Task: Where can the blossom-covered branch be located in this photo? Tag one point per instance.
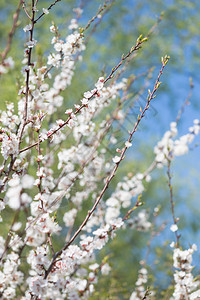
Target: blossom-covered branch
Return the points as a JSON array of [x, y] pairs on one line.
[[90, 95], [116, 160]]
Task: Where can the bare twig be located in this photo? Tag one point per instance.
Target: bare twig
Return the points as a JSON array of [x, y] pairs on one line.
[[11, 33], [101, 9], [186, 102], [25, 10], [98, 22]]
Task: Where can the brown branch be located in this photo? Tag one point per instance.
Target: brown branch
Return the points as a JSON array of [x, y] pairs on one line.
[[175, 220], [24, 122], [29, 52], [49, 241], [186, 102], [25, 10], [11, 33]]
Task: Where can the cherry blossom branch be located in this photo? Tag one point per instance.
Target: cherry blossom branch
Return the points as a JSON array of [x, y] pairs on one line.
[[103, 134], [29, 52], [85, 163], [83, 30], [27, 70], [59, 198], [113, 173], [11, 33], [138, 45], [97, 143], [186, 102]]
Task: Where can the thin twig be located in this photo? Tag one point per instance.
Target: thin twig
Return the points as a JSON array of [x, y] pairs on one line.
[[98, 22], [101, 9], [186, 102], [175, 220], [11, 33], [47, 9], [25, 10]]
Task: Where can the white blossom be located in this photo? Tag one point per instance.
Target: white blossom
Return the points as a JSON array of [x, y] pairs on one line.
[[174, 228], [45, 11], [27, 28], [128, 144], [116, 159], [31, 44]]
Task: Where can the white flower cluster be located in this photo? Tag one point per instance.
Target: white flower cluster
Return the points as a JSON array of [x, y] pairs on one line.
[[185, 284], [121, 198], [141, 286], [65, 56], [9, 144], [140, 222], [15, 195], [61, 282], [44, 97], [11, 278], [167, 148], [102, 98], [8, 119]]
